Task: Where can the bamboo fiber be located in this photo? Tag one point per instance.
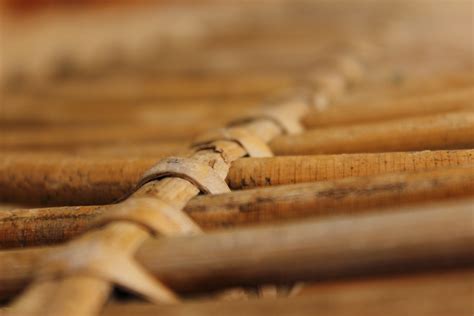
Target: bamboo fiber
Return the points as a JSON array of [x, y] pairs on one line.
[[432, 237], [327, 198], [92, 180]]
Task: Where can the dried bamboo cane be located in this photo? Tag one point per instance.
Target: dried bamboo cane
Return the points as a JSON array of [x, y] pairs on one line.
[[447, 293], [354, 195], [175, 192], [364, 111], [435, 236], [442, 131], [92, 180], [255, 172]]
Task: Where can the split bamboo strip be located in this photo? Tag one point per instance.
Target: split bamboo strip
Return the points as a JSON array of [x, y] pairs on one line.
[[48, 180], [436, 236], [442, 131], [364, 110], [28, 227], [441, 294]]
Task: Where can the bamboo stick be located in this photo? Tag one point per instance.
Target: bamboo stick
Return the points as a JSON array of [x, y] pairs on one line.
[[437, 236], [351, 195], [29, 227], [367, 111], [29, 112], [442, 131], [91, 180], [250, 172], [446, 293]]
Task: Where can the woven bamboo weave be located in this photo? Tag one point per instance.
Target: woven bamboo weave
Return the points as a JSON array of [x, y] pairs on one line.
[[293, 158]]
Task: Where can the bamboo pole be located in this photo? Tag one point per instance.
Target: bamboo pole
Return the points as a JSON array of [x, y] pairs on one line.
[[435, 236], [31, 227], [446, 293], [93, 180], [365, 110], [442, 131]]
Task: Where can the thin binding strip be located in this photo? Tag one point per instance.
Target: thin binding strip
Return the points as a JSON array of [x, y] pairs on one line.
[[254, 146], [196, 172]]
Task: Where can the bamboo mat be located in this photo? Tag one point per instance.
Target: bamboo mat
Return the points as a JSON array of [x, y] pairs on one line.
[[239, 157]]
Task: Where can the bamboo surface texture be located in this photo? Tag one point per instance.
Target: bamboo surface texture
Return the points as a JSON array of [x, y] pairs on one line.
[[26, 227], [45, 179], [237, 158]]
